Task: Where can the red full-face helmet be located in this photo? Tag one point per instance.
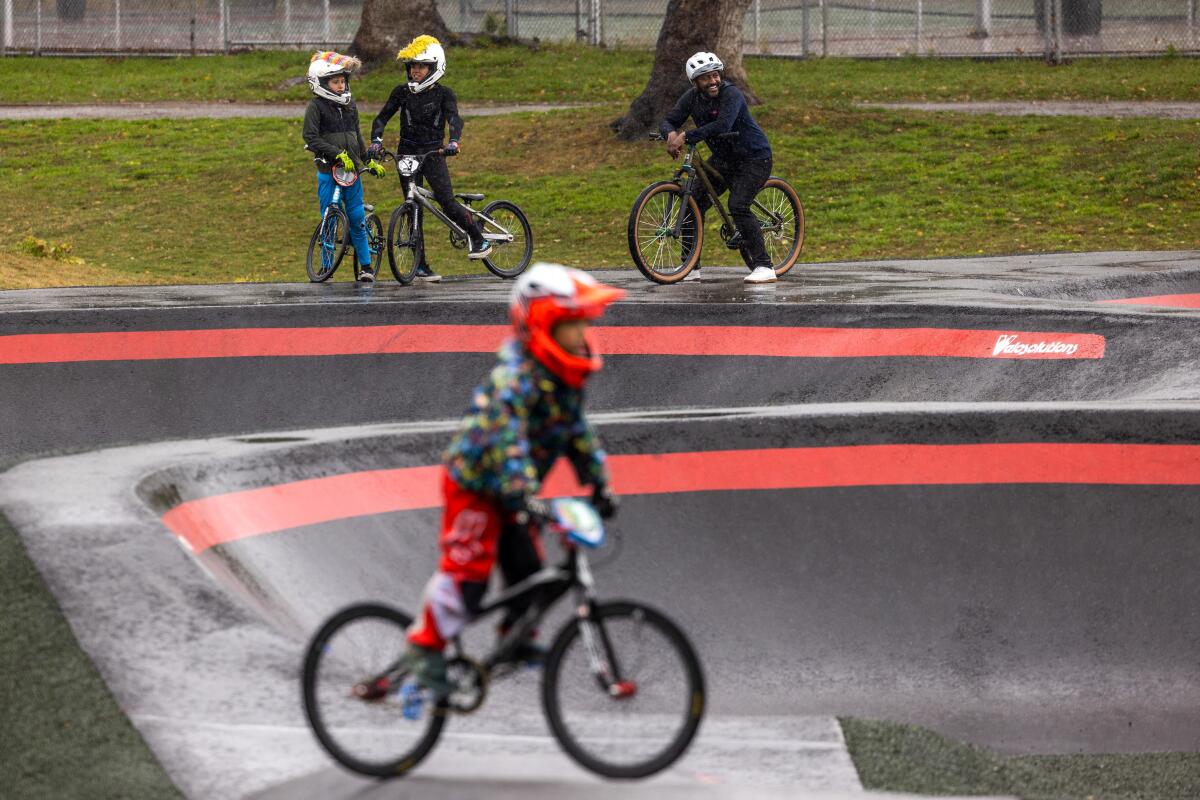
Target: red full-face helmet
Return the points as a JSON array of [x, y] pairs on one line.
[[544, 296]]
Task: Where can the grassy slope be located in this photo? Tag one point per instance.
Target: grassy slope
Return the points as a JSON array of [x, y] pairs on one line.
[[229, 200], [63, 735], [905, 758]]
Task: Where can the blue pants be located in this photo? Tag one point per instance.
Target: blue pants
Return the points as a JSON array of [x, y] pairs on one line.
[[352, 196]]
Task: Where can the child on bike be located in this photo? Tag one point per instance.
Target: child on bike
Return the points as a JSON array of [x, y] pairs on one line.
[[427, 107], [525, 414], [331, 132]]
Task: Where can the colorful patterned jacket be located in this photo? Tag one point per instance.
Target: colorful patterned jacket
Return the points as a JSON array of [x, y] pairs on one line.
[[521, 419]]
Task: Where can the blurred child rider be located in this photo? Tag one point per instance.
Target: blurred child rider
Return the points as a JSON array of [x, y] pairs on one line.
[[331, 133], [428, 107], [525, 414]]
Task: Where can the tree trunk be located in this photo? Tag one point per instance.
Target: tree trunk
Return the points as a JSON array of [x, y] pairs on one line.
[[688, 27], [388, 25]]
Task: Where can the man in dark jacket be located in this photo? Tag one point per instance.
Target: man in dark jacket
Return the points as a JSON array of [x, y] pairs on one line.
[[426, 107], [741, 164]]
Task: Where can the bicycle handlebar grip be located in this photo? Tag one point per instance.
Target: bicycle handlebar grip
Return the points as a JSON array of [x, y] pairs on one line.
[[656, 137]]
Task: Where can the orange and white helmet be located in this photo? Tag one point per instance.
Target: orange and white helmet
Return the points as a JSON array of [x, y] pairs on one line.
[[325, 65], [547, 294]]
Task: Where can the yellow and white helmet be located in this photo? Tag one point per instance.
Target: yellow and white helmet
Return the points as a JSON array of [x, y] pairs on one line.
[[424, 50], [325, 65]]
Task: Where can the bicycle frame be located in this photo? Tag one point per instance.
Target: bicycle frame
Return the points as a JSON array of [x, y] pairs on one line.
[[547, 586], [421, 198], [699, 169]]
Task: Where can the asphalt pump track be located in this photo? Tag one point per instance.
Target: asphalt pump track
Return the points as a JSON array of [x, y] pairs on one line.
[[955, 493]]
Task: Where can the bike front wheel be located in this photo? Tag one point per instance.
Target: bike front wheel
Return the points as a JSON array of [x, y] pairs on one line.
[[375, 240], [623, 690], [327, 245], [364, 709], [404, 244], [781, 215], [658, 252], [508, 258]]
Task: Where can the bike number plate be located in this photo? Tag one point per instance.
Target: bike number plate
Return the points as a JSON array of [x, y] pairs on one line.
[[582, 524], [407, 166]]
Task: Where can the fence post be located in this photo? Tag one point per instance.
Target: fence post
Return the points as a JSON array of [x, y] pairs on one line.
[[327, 25], [578, 21], [757, 14], [983, 19], [510, 18], [1058, 31], [6, 40], [286, 34], [804, 28], [37, 41], [824, 28], [920, 24], [224, 22], [117, 22]]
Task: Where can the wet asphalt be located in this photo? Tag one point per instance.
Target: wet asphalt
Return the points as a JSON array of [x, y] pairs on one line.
[[1047, 618]]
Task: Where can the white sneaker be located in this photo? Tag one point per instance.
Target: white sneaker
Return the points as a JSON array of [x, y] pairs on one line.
[[694, 275], [761, 275]]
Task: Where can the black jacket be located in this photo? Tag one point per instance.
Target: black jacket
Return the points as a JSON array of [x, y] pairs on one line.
[[329, 129], [423, 117], [726, 112]]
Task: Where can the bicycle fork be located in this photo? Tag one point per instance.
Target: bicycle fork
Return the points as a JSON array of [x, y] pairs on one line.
[[602, 658]]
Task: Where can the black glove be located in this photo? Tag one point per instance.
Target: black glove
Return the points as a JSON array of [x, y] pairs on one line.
[[535, 512], [375, 150], [451, 148], [604, 502]]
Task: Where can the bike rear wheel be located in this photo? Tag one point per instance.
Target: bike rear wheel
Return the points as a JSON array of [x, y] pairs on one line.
[[375, 240], [781, 215], [508, 259], [360, 647], [657, 252], [648, 728], [327, 245], [404, 244]]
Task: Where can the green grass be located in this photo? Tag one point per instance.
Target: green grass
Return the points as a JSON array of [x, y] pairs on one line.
[[904, 758], [234, 200], [63, 735], [566, 73]]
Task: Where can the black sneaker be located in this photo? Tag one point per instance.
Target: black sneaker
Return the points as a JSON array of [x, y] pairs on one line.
[[426, 275], [480, 249], [366, 275], [527, 652]]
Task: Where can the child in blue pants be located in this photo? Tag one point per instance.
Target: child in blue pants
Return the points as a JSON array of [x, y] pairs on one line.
[[331, 132]]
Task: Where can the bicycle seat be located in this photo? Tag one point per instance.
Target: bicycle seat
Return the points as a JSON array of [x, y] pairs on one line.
[[368, 207], [468, 196]]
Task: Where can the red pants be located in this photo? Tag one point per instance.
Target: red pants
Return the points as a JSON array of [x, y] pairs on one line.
[[474, 530]]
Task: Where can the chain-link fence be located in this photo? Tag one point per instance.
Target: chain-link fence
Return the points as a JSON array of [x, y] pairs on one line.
[[1051, 28]]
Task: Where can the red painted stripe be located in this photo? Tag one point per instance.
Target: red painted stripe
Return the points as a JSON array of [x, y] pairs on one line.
[[704, 340], [210, 521], [1176, 300]]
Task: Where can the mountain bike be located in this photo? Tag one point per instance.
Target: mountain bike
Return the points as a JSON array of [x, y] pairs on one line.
[[503, 224], [328, 244], [622, 688], [665, 239]]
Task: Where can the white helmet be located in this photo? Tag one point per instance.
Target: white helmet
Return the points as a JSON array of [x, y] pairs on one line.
[[703, 63], [424, 50], [325, 65]]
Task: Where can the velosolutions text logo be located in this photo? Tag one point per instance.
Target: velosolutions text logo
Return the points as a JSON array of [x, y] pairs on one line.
[[1008, 344]]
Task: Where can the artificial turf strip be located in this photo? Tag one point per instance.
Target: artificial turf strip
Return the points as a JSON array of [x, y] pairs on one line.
[[62, 735], [895, 757]]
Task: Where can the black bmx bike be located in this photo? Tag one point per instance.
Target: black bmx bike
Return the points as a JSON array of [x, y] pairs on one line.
[[502, 222], [329, 241], [622, 688], [665, 238]]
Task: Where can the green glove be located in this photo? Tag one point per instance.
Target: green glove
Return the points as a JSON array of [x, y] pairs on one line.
[[376, 168], [346, 160]]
